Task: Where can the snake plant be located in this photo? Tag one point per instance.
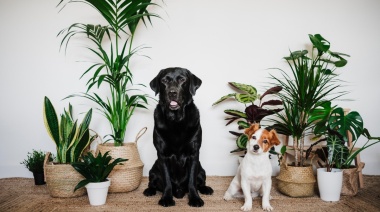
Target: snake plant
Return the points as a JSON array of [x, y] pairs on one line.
[[70, 140]]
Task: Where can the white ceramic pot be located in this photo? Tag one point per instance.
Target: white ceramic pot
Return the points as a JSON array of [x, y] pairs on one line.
[[97, 192], [329, 184]]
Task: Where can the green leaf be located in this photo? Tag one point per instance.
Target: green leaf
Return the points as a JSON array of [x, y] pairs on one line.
[[51, 120], [241, 141], [243, 87]]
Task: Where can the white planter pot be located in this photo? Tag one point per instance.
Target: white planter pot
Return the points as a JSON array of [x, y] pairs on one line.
[[329, 184], [97, 192]]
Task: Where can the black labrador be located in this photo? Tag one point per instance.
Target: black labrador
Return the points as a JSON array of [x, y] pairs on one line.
[[177, 137]]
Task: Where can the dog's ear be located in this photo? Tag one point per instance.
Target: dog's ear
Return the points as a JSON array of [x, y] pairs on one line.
[[195, 83], [155, 83], [251, 130], [274, 137]]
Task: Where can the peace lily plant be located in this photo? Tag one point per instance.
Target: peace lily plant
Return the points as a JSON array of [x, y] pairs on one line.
[[112, 44]]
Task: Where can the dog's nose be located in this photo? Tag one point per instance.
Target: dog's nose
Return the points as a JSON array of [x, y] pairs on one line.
[[256, 147], [172, 93]]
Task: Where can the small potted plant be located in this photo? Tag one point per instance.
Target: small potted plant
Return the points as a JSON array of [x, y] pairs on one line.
[[95, 170], [338, 128], [35, 163]]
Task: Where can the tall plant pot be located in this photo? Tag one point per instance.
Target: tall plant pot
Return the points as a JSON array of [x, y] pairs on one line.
[[61, 179], [329, 184], [98, 192], [126, 177], [296, 181]]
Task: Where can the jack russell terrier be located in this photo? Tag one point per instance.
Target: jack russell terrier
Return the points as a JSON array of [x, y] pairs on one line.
[[254, 174]]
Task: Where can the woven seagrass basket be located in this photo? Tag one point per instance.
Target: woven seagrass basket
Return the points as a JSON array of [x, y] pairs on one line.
[[296, 181], [126, 177], [61, 179]]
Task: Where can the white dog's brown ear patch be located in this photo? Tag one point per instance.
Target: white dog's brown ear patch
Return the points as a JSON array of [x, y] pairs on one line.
[[274, 138], [251, 130]]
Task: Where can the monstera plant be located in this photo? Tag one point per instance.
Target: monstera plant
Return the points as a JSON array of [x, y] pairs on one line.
[[334, 126], [257, 107], [112, 44]]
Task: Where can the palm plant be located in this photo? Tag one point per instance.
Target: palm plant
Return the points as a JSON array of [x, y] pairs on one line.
[[69, 139], [114, 66], [257, 107], [95, 169], [312, 80]]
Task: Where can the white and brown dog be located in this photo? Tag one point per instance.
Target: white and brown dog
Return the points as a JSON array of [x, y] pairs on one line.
[[254, 174]]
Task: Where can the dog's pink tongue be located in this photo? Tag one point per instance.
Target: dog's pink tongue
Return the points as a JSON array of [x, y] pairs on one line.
[[173, 103]]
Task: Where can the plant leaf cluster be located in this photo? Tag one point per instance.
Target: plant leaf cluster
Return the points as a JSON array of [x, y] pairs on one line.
[[70, 139], [35, 161], [311, 81], [336, 127], [257, 107], [113, 69], [95, 169]]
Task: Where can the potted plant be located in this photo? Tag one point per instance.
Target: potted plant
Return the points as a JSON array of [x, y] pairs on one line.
[[112, 45], [313, 79], [256, 106], [35, 163], [96, 170], [71, 141], [338, 128]]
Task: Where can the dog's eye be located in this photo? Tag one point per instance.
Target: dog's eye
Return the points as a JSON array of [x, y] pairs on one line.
[[164, 80], [265, 141], [254, 137], [182, 79]]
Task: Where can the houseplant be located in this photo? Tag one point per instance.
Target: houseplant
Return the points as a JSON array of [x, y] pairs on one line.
[[113, 68], [312, 79], [256, 106], [35, 163], [339, 128], [112, 45], [96, 170], [71, 141]]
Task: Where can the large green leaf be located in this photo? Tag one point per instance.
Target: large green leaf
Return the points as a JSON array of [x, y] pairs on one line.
[[244, 87], [51, 120], [241, 141]]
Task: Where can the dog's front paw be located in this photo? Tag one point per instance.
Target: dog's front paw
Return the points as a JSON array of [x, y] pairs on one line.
[[166, 201], [267, 208], [195, 202], [246, 207], [149, 192], [206, 190], [227, 196]]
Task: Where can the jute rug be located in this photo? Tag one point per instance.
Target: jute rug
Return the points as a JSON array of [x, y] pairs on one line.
[[20, 194]]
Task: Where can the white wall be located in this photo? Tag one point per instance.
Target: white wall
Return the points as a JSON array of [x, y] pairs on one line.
[[218, 40]]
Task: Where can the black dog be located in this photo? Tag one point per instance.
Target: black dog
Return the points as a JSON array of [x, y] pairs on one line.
[[177, 138]]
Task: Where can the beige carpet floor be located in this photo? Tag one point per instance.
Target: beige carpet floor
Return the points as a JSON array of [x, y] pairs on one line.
[[20, 194]]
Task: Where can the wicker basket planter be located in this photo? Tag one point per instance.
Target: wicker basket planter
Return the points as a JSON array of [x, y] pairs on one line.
[[296, 181], [126, 177], [61, 179]]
